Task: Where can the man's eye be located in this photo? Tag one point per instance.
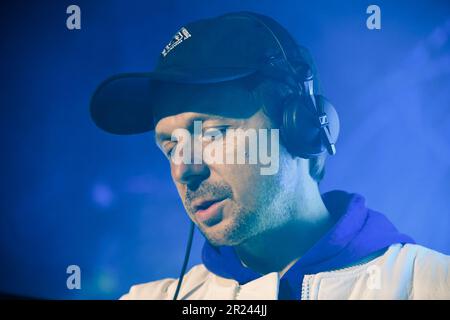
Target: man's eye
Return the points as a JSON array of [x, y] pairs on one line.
[[213, 134], [169, 151]]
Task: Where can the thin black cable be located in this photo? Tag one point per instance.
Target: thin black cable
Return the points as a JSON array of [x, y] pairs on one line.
[[186, 259]]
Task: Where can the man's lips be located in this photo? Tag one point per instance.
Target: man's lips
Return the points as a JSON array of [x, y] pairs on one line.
[[209, 211]]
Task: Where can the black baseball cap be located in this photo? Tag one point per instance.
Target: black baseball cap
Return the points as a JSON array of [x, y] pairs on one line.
[[208, 51]]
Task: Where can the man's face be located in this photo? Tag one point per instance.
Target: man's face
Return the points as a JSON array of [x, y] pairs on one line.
[[229, 202]]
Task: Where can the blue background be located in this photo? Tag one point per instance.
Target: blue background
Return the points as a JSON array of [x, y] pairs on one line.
[[72, 194]]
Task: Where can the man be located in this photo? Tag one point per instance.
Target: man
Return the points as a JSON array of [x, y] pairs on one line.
[[270, 233]]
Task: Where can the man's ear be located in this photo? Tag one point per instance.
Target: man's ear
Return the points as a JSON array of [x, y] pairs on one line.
[[317, 167]]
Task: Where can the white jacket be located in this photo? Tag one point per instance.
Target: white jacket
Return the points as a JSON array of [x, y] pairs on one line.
[[403, 272]]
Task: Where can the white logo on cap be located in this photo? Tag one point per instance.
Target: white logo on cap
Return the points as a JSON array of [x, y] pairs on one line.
[[181, 35]]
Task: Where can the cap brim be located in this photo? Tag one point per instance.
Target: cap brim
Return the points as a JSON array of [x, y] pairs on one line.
[[122, 104]]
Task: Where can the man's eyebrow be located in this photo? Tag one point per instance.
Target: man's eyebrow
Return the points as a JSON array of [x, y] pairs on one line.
[[162, 136]]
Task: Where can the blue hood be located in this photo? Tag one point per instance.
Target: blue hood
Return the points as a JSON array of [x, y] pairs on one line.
[[358, 233]]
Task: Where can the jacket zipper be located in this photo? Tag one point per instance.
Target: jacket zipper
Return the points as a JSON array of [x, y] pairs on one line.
[[306, 279], [237, 292]]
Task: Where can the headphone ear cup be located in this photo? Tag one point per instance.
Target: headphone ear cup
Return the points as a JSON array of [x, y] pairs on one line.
[[300, 128]]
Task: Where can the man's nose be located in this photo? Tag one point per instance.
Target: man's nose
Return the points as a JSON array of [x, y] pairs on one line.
[[193, 170], [190, 174]]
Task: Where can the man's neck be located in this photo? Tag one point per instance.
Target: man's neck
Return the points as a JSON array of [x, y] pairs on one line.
[[277, 249]]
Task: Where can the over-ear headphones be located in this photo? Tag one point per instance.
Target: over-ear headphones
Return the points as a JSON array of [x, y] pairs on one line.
[[310, 123]]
